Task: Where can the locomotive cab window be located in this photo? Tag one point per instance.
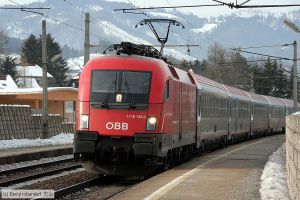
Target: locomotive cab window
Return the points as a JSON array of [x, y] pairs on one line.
[[120, 88]]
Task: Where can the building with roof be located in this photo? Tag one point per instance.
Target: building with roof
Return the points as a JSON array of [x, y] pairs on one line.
[[61, 100], [31, 76]]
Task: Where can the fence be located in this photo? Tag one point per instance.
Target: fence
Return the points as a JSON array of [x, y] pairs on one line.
[[17, 122]]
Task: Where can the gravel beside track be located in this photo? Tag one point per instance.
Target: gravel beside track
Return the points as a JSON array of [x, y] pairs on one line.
[[105, 189], [98, 192], [61, 182]]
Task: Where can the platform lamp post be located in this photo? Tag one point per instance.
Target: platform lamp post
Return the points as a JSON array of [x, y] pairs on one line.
[[295, 28]]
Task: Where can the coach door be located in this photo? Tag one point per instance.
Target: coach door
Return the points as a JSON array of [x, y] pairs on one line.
[[180, 110], [233, 120], [175, 96]]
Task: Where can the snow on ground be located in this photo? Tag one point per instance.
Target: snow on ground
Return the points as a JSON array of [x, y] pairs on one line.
[[296, 113], [61, 139], [274, 177]]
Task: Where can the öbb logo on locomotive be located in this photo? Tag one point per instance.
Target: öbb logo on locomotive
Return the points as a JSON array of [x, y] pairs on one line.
[[116, 126]]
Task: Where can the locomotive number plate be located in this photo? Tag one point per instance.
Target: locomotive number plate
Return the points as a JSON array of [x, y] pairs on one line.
[[136, 116]]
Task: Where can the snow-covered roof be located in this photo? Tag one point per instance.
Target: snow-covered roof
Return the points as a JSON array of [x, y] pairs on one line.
[[31, 71], [76, 64], [8, 83], [11, 91]]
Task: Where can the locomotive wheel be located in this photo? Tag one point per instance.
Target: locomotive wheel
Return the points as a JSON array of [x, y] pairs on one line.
[[202, 146], [168, 161]]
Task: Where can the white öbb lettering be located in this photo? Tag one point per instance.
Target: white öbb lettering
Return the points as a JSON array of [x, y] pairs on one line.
[[116, 126]]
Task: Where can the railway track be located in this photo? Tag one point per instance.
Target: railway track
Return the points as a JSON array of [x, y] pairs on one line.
[[35, 166], [103, 188], [34, 176], [75, 188]]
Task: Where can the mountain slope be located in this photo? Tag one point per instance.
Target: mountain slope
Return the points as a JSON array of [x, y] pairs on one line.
[[241, 29]]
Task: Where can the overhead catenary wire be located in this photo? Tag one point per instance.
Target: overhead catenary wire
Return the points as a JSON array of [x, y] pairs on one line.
[[27, 8], [166, 7], [260, 54], [24, 8], [220, 3], [264, 46], [80, 29], [192, 25], [109, 27], [237, 6], [60, 22]]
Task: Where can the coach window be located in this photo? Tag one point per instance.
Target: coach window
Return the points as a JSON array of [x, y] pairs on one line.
[[199, 104], [166, 91], [204, 106]]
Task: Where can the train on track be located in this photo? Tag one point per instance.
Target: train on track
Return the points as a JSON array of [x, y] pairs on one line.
[[137, 113]]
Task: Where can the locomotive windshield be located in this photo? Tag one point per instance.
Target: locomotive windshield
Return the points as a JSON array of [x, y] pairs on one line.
[[119, 88]]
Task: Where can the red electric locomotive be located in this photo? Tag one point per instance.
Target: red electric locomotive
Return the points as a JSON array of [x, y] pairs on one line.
[[132, 111], [137, 113]]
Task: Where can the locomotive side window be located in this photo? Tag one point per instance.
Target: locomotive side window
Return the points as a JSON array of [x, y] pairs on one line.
[[166, 91]]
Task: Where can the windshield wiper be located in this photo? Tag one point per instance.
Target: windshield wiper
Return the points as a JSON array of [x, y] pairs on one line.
[[109, 92]]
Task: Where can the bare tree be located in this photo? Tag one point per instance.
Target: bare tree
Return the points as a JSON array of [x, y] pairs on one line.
[[227, 67], [215, 63]]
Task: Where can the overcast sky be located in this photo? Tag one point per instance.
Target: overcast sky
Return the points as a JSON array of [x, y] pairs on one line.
[[203, 12]]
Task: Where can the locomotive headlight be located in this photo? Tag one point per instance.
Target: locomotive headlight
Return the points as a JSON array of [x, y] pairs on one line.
[[151, 124], [84, 121]]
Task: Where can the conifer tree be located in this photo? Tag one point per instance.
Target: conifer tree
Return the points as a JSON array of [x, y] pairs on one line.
[[258, 79], [270, 79], [8, 66], [31, 51], [32, 54], [281, 82], [58, 68]]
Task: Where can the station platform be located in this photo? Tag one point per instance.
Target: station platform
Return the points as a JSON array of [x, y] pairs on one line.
[[230, 173], [8, 156]]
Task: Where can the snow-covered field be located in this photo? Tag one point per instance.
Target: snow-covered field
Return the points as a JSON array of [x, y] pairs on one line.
[[63, 138], [274, 177]]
